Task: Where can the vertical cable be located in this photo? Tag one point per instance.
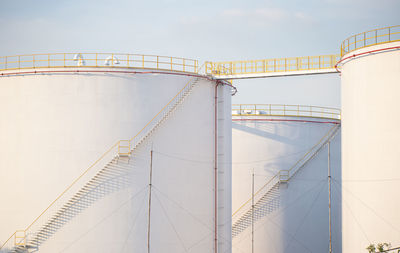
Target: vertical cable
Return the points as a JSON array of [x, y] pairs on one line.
[[149, 220]]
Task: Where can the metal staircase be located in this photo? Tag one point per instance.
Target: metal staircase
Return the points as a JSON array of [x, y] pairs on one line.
[[110, 178], [268, 196]]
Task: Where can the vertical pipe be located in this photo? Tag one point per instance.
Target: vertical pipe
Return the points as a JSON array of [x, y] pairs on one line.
[[330, 196], [216, 169]]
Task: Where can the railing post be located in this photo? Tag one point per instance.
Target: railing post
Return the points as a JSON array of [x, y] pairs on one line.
[[285, 64], [48, 60], [376, 36], [264, 66], [19, 61], [127, 62], [355, 42], [365, 40], [157, 61], [183, 64], [319, 62], [96, 59], [270, 109], [64, 59], [112, 60], [389, 33], [34, 61], [171, 62], [142, 60]]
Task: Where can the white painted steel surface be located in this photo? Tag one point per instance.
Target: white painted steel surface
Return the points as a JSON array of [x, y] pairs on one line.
[[295, 218], [54, 125], [370, 103]]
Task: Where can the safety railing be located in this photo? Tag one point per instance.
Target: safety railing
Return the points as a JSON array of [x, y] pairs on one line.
[[121, 147], [370, 38], [285, 110], [272, 65], [284, 175], [103, 60]]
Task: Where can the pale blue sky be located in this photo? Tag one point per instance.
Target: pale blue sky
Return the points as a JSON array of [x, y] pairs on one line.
[[204, 30]]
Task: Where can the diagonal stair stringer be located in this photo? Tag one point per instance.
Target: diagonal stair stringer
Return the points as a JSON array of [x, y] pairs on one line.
[[109, 178], [267, 199]]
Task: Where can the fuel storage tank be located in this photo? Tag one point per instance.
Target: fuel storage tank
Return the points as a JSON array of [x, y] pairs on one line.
[[370, 70], [113, 153], [280, 178]]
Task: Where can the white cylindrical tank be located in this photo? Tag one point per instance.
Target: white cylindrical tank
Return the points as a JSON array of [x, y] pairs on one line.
[[286, 147], [370, 102], [56, 122]]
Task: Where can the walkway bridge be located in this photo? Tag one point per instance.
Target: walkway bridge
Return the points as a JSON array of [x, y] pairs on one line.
[[294, 66]]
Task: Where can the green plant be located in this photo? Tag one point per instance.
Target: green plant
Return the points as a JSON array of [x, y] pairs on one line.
[[383, 246], [380, 247], [371, 248]]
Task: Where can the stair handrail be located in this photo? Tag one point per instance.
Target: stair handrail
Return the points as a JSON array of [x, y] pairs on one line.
[[163, 107], [280, 171], [100, 158]]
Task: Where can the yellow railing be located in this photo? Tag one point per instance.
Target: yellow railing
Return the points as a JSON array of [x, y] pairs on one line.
[[284, 175], [285, 110], [121, 147], [370, 38], [103, 60], [272, 65]]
